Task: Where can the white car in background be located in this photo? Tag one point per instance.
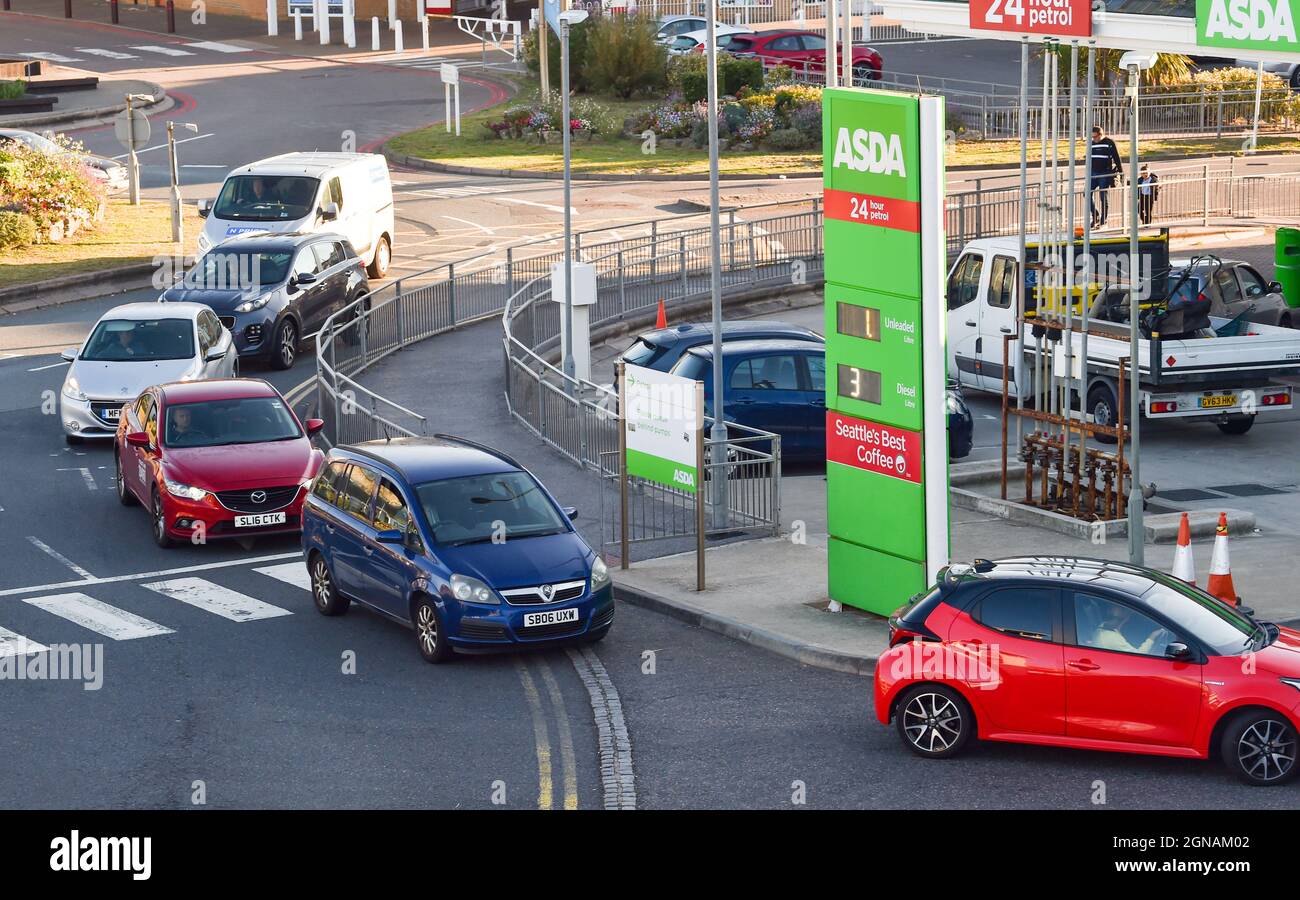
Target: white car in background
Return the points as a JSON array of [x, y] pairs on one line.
[[694, 41], [133, 347], [671, 27]]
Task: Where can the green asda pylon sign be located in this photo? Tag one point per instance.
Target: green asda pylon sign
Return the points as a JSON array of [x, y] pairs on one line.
[[886, 401], [1248, 24]]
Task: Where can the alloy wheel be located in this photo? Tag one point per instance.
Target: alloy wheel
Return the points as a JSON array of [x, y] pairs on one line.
[[321, 586], [932, 722], [1266, 750], [288, 344], [426, 625]]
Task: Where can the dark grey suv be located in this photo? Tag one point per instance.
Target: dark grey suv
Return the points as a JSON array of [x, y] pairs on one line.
[[272, 290]]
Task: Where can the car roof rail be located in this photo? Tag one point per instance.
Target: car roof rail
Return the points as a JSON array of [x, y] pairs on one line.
[[492, 451]]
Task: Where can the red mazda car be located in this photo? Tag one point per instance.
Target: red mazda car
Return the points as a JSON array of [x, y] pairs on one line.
[[802, 51], [215, 459], [1091, 654]]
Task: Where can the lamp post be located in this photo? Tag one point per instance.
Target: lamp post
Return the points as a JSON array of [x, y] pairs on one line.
[[568, 18], [178, 217], [718, 433], [1134, 62]]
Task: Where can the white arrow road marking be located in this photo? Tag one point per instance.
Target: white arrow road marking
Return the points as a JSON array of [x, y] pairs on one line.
[[50, 57], [107, 54], [165, 51], [214, 598], [219, 47], [56, 555], [14, 644], [158, 573], [113, 623], [539, 205], [294, 573]]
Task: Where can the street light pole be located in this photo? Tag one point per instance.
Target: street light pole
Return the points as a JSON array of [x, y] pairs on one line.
[[178, 217], [1136, 534], [133, 162], [718, 434], [568, 225]]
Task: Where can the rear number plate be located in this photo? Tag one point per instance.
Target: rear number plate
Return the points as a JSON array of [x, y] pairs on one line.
[[1219, 400], [550, 617], [259, 520]]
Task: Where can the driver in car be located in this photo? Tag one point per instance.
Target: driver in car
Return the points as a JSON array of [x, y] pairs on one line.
[[1113, 632], [183, 429]]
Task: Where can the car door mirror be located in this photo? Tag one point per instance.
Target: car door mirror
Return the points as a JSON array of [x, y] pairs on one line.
[[1179, 651], [391, 536], [215, 354], [205, 207], [1275, 287], [314, 427], [570, 511], [304, 278], [138, 439], [330, 212], [69, 355]]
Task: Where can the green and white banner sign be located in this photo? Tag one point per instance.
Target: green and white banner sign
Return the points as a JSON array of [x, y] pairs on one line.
[[663, 427], [1248, 24]]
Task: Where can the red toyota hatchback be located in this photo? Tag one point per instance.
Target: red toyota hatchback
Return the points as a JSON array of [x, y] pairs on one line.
[[802, 51], [1090, 654], [215, 459]]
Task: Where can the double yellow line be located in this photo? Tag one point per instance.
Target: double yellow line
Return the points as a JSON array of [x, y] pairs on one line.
[[546, 787]]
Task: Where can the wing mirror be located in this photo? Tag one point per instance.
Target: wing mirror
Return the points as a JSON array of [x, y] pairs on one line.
[[1179, 651], [1275, 287], [138, 439], [304, 278], [205, 207], [69, 355], [570, 511], [391, 536], [330, 212], [214, 354], [314, 427]]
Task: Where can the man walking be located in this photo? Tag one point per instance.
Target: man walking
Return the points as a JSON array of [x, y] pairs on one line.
[[1148, 194], [1104, 166]]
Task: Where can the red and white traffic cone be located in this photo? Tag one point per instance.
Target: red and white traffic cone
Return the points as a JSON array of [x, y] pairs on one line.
[[1220, 583], [661, 320], [1184, 566]]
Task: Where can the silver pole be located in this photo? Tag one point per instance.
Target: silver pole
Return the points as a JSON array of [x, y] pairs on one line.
[[718, 433], [569, 369], [1042, 223], [846, 52], [1136, 536], [1259, 97], [133, 162], [832, 52], [1067, 404], [178, 220], [1019, 369], [1089, 275]]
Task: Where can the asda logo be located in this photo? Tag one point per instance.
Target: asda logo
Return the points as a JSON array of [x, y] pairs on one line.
[[684, 478], [869, 151], [1226, 23]]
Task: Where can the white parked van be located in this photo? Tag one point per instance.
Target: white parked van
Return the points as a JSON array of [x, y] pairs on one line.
[[349, 193]]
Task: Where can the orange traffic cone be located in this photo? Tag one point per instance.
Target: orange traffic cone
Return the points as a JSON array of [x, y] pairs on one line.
[[1184, 566], [661, 320], [1220, 584]]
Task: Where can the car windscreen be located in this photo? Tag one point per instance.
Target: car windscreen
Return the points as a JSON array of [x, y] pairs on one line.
[[643, 353], [222, 270], [140, 340], [266, 198], [1224, 629], [504, 506], [218, 423]]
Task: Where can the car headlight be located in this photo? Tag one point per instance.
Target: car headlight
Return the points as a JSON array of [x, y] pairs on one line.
[[176, 489], [256, 303], [599, 574], [471, 590], [204, 244], [72, 389]]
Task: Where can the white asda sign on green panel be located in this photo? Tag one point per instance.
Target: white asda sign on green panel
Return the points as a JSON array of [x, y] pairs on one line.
[[663, 426], [1248, 24]]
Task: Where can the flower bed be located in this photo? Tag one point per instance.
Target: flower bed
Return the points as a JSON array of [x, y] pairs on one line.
[[45, 196]]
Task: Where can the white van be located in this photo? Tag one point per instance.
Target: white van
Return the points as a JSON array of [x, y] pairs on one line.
[[349, 193]]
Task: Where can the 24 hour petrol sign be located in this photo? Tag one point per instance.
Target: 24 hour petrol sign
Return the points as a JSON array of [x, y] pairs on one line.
[[1058, 18]]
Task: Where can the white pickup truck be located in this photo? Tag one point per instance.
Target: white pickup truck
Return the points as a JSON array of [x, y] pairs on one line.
[[1225, 379]]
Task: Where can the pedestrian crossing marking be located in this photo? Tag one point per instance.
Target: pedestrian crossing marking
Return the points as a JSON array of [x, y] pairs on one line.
[[213, 598], [14, 644], [165, 51], [219, 47], [294, 573], [95, 615]]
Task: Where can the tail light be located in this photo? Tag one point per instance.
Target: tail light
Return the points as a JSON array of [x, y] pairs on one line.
[[1164, 406], [1281, 398], [900, 632]]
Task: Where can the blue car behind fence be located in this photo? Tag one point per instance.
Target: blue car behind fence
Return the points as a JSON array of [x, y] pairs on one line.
[[455, 540]]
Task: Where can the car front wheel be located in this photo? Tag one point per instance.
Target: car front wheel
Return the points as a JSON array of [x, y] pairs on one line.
[[285, 351], [1260, 748], [124, 495], [328, 600], [430, 635], [160, 535], [934, 721]]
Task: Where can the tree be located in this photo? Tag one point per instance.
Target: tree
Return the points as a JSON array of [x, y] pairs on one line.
[[1170, 68]]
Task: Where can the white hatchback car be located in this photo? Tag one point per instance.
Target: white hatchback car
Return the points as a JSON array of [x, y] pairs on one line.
[[133, 347]]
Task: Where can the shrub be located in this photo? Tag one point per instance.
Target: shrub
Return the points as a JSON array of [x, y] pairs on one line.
[[786, 139], [17, 229], [47, 186], [12, 90], [778, 75], [786, 99], [685, 64], [735, 76], [807, 120], [624, 56], [578, 54]]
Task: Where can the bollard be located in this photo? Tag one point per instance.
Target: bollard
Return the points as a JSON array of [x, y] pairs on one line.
[[316, 6], [424, 32], [297, 25], [171, 17], [272, 19], [324, 21], [374, 32], [397, 36], [392, 15], [112, 10], [349, 28]]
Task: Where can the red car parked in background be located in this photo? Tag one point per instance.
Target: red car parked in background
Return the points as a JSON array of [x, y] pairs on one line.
[[803, 51], [216, 459], [1095, 655]]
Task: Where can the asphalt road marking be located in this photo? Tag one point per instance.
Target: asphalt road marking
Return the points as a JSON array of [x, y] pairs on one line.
[[213, 598], [294, 573], [218, 47], [482, 228], [567, 760], [616, 773], [113, 623], [88, 478], [547, 206], [138, 576], [107, 54], [545, 787], [62, 362], [50, 57], [165, 51], [14, 644], [59, 557]]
